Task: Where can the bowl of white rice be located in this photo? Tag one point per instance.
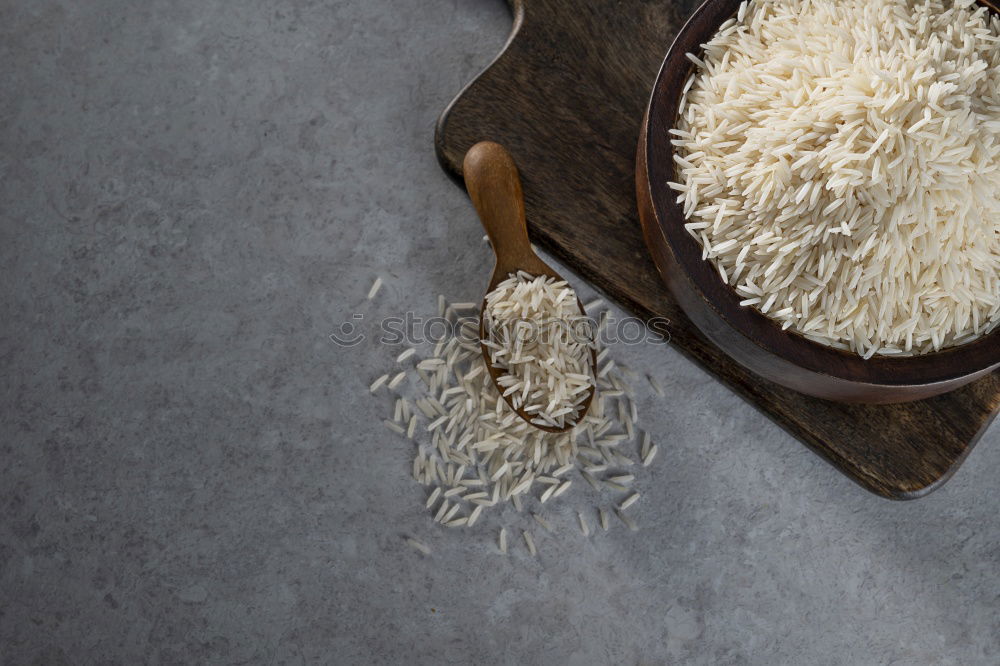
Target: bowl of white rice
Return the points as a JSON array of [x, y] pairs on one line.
[[819, 185]]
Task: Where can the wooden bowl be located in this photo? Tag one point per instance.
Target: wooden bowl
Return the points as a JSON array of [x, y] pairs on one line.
[[749, 337]]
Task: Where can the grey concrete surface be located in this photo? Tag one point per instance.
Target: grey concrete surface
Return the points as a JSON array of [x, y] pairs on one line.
[[194, 195]]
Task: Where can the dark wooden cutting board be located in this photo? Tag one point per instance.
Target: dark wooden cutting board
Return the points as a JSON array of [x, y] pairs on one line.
[[566, 97]]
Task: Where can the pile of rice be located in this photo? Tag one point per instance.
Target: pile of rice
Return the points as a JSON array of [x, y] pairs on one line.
[[839, 162], [473, 452], [538, 336]]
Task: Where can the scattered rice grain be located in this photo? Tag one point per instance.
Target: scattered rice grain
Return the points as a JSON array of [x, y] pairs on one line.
[[419, 546]]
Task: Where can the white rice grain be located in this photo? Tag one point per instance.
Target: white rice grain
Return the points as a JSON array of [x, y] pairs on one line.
[[375, 385], [451, 512], [629, 501], [562, 488], [472, 431], [474, 516], [397, 380], [374, 288], [529, 542], [419, 546], [544, 357], [839, 163], [442, 510]]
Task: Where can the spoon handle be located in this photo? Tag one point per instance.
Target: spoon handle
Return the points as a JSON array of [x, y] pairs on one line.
[[495, 188]]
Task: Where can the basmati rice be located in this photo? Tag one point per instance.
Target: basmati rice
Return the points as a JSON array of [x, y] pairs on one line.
[[419, 546], [839, 164], [629, 501], [375, 385], [476, 452], [529, 542], [538, 336], [374, 288], [451, 512], [433, 497], [397, 380]]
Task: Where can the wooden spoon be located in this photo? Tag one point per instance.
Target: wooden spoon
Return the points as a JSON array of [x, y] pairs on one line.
[[495, 188]]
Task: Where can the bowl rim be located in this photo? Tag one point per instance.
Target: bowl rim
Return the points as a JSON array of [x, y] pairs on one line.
[[941, 366]]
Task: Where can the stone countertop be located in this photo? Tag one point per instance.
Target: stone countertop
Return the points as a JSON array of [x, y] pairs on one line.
[[195, 195]]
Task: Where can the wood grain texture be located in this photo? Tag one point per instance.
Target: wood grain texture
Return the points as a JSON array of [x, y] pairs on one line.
[[566, 97]]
